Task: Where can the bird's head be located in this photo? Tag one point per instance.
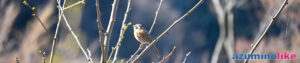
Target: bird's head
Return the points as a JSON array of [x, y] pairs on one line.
[[137, 26]]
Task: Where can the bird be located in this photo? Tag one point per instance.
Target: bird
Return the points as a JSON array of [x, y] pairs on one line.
[[142, 36]]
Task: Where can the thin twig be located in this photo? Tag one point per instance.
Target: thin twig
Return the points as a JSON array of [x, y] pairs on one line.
[[76, 38], [56, 31], [226, 36], [90, 56], [43, 56], [258, 41], [221, 19], [41, 23], [134, 54], [156, 14], [229, 43], [72, 5], [165, 58], [186, 55], [73, 34], [110, 55], [109, 29], [100, 28], [167, 30], [122, 31], [35, 15]]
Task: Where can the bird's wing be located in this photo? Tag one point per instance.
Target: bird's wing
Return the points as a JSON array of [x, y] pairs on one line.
[[148, 37], [144, 36]]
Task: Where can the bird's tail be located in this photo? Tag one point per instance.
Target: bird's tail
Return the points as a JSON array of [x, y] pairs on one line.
[[156, 51]]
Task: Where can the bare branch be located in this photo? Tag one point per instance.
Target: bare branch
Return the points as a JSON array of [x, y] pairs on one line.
[[156, 14], [258, 40], [74, 4], [134, 54], [122, 31], [186, 55], [41, 23], [112, 52], [221, 19], [100, 28], [167, 30], [90, 56], [73, 34], [76, 38], [109, 29], [225, 15], [55, 35], [165, 58], [56, 30], [43, 56], [35, 15]]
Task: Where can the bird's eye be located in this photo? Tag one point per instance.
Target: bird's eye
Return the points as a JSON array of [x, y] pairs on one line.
[[135, 27]]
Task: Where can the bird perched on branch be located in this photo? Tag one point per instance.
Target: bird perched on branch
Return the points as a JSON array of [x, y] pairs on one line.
[[143, 37]]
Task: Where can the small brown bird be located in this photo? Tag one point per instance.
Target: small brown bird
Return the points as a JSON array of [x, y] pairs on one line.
[[143, 37]]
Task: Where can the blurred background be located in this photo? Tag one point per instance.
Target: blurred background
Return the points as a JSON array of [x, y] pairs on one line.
[[227, 26]]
